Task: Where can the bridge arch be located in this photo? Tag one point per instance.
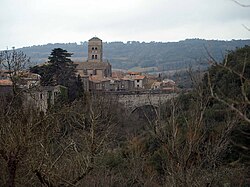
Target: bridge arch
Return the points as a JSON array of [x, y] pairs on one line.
[[146, 112], [141, 106]]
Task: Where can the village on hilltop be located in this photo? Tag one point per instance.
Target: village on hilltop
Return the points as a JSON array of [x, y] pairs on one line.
[[96, 75]]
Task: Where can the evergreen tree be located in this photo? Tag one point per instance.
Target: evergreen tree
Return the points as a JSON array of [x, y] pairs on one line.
[[60, 70]]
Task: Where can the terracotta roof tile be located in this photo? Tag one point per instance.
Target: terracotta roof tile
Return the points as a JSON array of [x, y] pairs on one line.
[[6, 82], [133, 73], [139, 77]]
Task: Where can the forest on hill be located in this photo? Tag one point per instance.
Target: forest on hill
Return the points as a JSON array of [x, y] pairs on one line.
[[159, 56]]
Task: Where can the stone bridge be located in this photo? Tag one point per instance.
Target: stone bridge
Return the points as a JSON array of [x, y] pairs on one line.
[[133, 101]]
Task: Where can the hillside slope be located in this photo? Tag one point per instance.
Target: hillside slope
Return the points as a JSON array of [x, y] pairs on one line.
[[163, 56]]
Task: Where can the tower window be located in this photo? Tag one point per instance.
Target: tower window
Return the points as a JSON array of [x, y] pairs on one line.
[[92, 48], [93, 56], [96, 48]]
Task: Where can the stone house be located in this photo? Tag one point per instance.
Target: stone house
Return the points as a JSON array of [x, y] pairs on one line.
[[167, 85], [33, 94], [140, 81], [156, 85], [28, 79], [127, 84], [42, 97]]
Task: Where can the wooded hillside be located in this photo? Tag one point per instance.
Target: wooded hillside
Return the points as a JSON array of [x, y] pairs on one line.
[[162, 56]]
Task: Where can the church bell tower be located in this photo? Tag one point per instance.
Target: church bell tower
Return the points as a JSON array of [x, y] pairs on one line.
[[95, 50]]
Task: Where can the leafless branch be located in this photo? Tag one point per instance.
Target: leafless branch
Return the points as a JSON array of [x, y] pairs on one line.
[[246, 27], [242, 5]]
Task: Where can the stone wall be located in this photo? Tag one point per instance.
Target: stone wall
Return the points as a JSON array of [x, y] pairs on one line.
[[131, 102]]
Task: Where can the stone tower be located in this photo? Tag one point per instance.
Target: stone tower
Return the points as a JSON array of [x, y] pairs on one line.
[[95, 50]]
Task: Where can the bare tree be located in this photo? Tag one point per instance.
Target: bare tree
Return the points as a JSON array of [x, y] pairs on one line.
[[13, 61], [187, 149], [241, 104], [18, 135], [245, 6], [83, 134]]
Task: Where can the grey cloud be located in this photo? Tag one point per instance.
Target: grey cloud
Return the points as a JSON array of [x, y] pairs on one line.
[[22, 21]]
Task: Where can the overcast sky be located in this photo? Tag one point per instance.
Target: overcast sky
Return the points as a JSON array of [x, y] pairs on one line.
[[36, 22]]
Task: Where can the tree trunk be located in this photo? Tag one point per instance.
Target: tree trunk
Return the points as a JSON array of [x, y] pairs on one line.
[[12, 165]]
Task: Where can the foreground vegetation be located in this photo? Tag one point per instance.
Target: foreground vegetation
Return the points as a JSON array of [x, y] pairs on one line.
[[198, 139]]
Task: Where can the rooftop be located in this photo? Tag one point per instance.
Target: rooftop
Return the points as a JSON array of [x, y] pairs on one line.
[[118, 74], [133, 73], [6, 82], [139, 77], [97, 79], [95, 38], [94, 65]]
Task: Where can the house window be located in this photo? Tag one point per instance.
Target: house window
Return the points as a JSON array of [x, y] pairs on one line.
[[96, 48], [93, 56], [92, 48], [138, 80]]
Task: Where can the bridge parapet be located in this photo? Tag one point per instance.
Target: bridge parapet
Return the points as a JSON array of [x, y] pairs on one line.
[[131, 102]]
